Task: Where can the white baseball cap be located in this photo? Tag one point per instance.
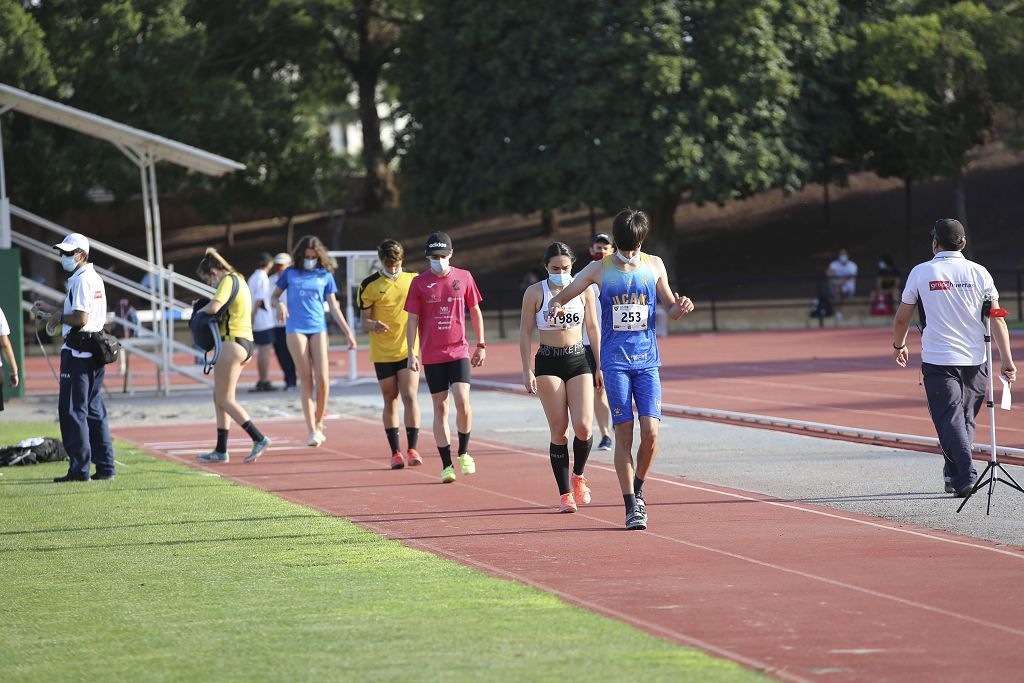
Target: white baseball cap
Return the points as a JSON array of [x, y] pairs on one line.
[[73, 242], [283, 259]]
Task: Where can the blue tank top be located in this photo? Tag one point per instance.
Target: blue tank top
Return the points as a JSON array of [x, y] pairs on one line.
[[628, 304]]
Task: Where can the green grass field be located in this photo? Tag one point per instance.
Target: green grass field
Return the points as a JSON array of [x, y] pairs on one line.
[[170, 574]]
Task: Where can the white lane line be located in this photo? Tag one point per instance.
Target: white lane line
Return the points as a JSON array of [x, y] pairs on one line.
[[718, 551]]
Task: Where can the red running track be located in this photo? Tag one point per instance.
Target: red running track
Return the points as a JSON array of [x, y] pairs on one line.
[[844, 377], [836, 376], [799, 591]]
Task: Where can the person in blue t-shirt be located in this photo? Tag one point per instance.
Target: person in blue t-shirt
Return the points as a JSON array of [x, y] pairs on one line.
[[310, 285], [631, 281]]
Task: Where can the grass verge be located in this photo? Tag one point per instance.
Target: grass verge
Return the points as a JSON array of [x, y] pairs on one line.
[[170, 574]]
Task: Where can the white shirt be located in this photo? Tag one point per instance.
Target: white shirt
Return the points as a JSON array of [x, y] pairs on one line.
[[572, 313], [843, 270], [597, 313], [952, 290], [86, 292], [5, 330], [259, 286]]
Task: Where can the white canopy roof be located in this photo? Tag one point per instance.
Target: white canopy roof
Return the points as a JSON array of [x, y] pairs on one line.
[[139, 141]]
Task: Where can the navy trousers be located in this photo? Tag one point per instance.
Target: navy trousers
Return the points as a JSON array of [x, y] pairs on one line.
[[284, 356], [955, 396], [83, 416]]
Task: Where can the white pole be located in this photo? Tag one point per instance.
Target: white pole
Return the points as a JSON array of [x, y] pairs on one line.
[[170, 324], [150, 257], [350, 264], [5, 202], [158, 244]]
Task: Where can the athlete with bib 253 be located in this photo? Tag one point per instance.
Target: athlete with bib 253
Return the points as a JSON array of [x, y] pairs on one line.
[[631, 281]]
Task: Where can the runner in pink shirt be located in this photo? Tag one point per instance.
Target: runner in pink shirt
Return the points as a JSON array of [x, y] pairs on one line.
[[437, 304]]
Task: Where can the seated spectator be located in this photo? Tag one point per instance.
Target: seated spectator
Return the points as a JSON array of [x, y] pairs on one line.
[[887, 288], [842, 277]]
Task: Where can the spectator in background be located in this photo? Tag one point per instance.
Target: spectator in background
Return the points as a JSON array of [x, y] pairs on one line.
[[8, 355], [284, 357], [887, 288], [262, 320], [842, 279]]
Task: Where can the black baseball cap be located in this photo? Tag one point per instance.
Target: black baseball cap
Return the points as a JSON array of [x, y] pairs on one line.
[[601, 237], [949, 232], [439, 244]]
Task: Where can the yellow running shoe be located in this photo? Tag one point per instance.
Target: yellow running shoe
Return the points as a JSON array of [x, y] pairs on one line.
[[468, 464], [448, 475]]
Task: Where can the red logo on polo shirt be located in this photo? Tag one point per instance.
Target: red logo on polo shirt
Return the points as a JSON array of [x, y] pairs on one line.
[[936, 285], [98, 294]]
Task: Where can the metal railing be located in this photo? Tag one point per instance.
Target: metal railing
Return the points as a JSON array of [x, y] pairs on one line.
[[160, 294]]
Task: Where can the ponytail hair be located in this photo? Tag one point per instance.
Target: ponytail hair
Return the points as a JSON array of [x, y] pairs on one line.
[[212, 259]]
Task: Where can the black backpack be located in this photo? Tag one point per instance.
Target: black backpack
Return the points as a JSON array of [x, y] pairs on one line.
[[206, 328]]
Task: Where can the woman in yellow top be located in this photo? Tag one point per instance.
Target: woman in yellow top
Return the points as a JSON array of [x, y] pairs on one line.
[[236, 350], [382, 300]]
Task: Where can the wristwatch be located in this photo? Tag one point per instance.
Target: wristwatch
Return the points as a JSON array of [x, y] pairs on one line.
[[481, 345]]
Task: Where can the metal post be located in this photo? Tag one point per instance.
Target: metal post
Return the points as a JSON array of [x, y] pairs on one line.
[[350, 264], [5, 202], [170, 324], [165, 342], [150, 257]]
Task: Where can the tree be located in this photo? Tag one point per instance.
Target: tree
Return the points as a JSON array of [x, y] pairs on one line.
[[925, 95], [607, 103], [361, 37], [24, 59]]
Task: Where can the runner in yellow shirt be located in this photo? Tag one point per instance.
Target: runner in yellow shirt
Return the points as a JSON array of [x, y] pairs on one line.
[[382, 301]]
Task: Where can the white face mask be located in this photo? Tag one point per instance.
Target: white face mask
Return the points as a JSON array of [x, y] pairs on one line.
[[628, 261], [844, 258], [560, 279], [391, 276], [440, 265], [68, 263], [309, 263], [882, 265]]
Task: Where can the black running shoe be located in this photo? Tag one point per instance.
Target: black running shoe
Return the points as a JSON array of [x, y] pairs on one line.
[[636, 519]]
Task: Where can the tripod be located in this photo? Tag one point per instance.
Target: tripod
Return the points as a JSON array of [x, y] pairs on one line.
[[990, 475]]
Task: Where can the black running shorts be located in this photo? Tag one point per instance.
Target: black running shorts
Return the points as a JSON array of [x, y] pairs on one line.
[[440, 376], [564, 366], [390, 368]]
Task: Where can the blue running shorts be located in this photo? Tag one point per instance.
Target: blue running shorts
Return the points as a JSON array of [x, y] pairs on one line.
[[624, 387]]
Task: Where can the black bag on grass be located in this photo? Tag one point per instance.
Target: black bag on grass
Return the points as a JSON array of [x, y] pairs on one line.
[[33, 452]]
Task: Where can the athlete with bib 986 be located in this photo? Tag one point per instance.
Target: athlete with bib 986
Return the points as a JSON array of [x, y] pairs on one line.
[[630, 282]]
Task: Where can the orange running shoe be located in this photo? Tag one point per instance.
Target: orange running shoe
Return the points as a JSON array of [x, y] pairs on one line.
[[567, 503], [397, 461], [580, 490], [414, 458]]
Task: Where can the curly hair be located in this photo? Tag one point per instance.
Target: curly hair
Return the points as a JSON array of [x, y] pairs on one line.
[[313, 242], [212, 259]]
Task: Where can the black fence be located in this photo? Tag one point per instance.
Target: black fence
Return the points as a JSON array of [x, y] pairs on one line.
[[756, 296]]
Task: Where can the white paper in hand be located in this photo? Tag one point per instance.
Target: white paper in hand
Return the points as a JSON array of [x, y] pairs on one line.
[[1004, 403]]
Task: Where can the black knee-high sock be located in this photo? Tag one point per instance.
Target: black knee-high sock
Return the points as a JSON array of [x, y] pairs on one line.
[[413, 435], [392, 434], [222, 441], [463, 443], [560, 466], [446, 455], [630, 500], [580, 453], [254, 433], [638, 486]]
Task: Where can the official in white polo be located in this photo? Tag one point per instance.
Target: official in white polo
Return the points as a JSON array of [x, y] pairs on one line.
[[951, 293], [83, 415]]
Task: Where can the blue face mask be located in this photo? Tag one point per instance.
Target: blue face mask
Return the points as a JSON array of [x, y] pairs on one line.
[[560, 279], [68, 263], [439, 265]]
